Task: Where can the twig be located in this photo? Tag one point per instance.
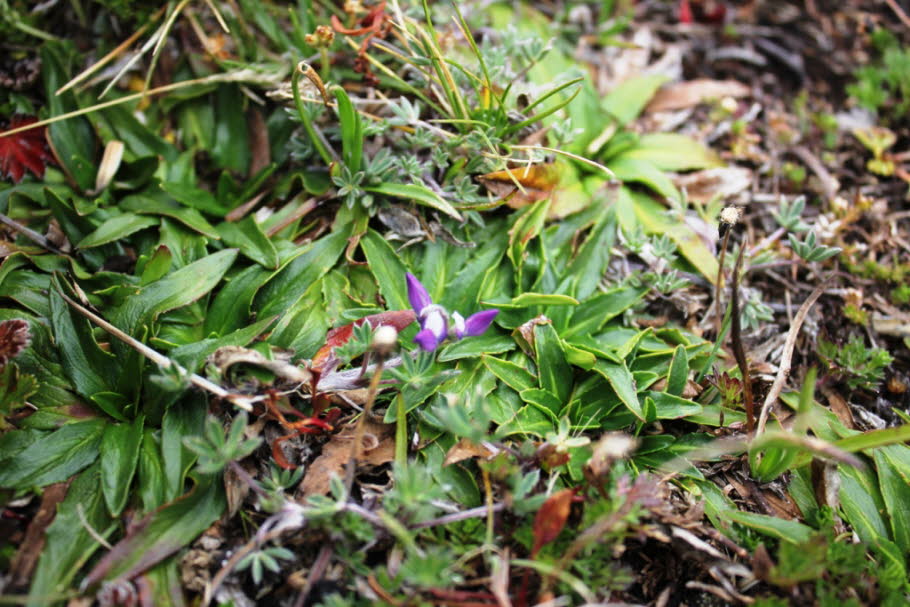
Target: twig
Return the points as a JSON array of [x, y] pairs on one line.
[[316, 572], [736, 341], [360, 430], [899, 12], [30, 234], [459, 516], [787, 357], [242, 401]]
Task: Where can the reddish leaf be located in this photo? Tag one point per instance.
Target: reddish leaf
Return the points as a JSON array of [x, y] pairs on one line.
[[25, 150], [551, 518], [341, 335]]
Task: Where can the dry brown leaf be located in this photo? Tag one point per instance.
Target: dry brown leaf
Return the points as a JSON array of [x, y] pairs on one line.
[[522, 186], [681, 95], [465, 449], [724, 182], [378, 449], [25, 559]]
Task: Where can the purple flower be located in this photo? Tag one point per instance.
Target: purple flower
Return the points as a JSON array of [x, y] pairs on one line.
[[434, 320]]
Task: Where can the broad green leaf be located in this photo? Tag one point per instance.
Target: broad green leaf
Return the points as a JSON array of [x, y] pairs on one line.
[[73, 139], [185, 418], [592, 258], [71, 538], [782, 529], [620, 379], [512, 375], [554, 372], [117, 228], [151, 481], [528, 420], [119, 454], [895, 488], [247, 236], [628, 99], [351, 130], [473, 347], [527, 226], [54, 457], [527, 300], [417, 193], [88, 366], [679, 371], [231, 307], [653, 218], [388, 270], [162, 533], [670, 406], [630, 169], [195, 198], [544, 400], [592, 314], [231, 149], [862, 503], [175, 290], [286, 287], [152, 202], [673, 152]]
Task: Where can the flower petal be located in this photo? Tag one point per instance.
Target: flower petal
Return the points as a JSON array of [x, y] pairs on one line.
[[458, 325], [434, 319], [476, 324], [426, 340], [417, 294]]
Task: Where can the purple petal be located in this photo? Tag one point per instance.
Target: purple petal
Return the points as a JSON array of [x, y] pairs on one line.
[[426, 340], [417, 294], [434, 319], [476, 324]]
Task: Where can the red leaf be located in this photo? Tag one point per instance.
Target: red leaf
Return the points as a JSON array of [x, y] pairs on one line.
[[341, 335], [25, 150], [551, 518]]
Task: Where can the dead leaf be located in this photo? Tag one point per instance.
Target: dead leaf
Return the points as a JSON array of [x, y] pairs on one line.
[[551, 518], [681, 95], [378, 449], [465, 449], [23, 563], [522, 186], [723, 182], [231, 355]]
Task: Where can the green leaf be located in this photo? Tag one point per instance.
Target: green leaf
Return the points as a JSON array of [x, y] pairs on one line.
[[527, 226], [54, 457], [544, 400], [114, 229], [679, 371], [88, 366], [388, 270], [247, 236], [283, 290], [554, 372], [152, 202], [231, 307], [653, 218], [630, 169], [512, 375], [895, 486], [673, 152], [529, 299], [418, 194], [119, 455], [620, 379], [184, 418], [71, 538], [782, 529], [162, 533], [862, 503], [73, 139], [473, 347], [175, 290], [231, 149], [351, 130], [670, 406], [629, 98], [592, 314]]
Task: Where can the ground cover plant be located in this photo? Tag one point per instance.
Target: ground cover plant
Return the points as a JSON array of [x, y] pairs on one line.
[[454, 304]]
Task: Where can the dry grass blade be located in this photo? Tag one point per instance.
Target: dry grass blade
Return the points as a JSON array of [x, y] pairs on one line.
[[736, 341], [787, 357]]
